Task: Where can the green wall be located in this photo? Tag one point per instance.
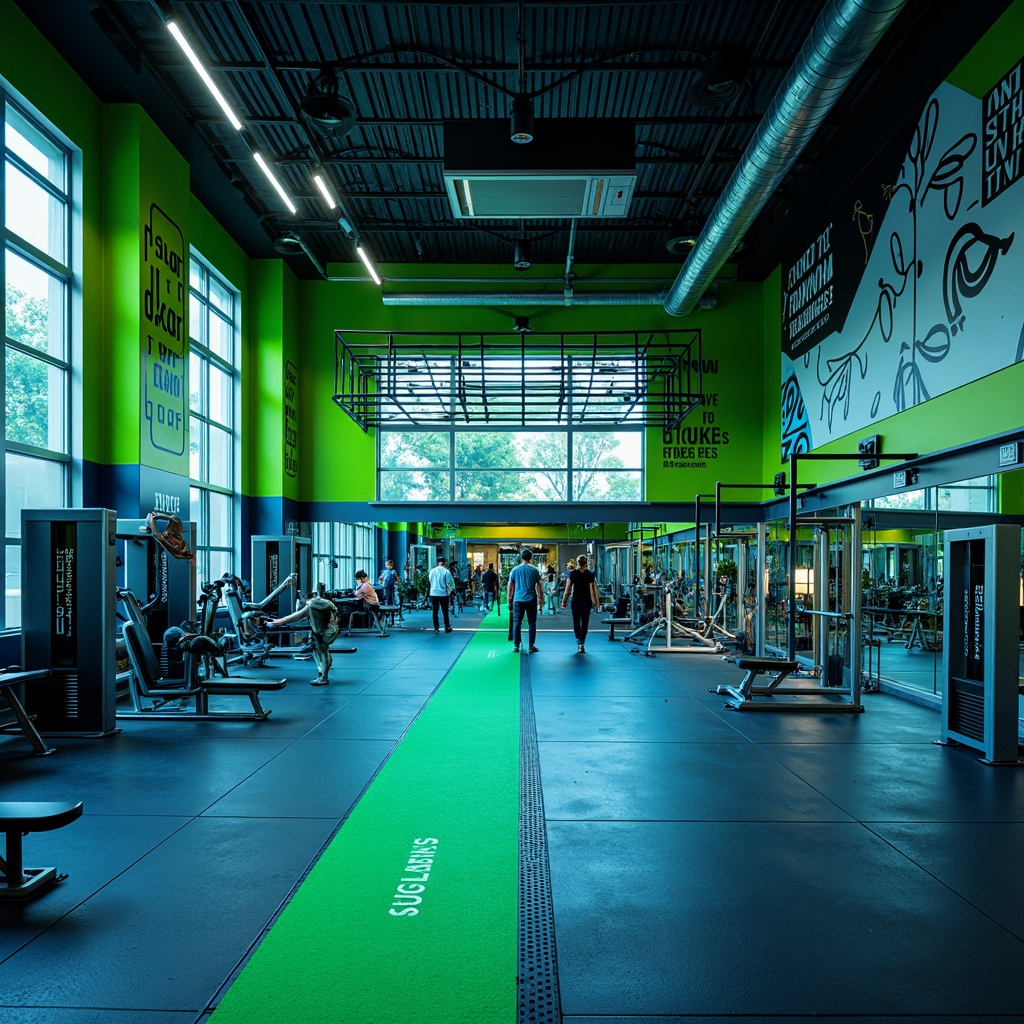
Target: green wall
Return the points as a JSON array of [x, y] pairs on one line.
[[338, 458]]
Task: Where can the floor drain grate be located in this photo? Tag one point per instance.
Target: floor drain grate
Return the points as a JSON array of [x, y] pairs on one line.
[[539, 1001]]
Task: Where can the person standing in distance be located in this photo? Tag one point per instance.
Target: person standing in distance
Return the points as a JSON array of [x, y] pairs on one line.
[[489, 584], [388, 580], [582, 586], [442, 586], [524, 597]]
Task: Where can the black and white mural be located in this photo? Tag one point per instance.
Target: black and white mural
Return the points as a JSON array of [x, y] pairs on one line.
[[912, 285]]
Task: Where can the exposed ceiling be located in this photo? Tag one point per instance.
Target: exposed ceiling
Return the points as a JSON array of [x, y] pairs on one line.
[[406, 69]]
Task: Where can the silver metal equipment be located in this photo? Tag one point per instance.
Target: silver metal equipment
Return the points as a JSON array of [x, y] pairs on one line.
[[980, 648]]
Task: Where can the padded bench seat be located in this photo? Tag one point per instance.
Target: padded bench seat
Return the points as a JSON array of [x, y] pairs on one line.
[[17, 818], [754, 667], [612, 623]]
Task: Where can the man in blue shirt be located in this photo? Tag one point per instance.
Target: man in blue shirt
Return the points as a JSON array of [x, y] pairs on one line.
[[524, 595]]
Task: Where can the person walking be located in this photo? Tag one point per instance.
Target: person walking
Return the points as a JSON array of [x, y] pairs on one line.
[[524, 597], [323, 628], [442, 586], [489, 583], [551, 589], [582, 588]]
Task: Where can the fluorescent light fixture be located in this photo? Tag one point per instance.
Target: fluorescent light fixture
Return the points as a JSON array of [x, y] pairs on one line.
[[265, 168], [172, 27], [361, 253], [465, 197], [318, 180]]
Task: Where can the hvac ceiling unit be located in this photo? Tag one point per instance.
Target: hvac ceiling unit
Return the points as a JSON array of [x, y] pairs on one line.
[[571, 169]]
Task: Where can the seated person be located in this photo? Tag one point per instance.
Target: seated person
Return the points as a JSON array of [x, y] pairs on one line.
[[365, 592]]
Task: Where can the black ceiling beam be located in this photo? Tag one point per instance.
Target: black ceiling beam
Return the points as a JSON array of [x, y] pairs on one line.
[[490, 68], [347, 159], [436, 122]]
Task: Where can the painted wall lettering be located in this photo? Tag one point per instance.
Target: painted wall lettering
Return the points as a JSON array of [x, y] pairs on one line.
[[1002, 135], [164, 337], [807, 295], [291, 419], [413, 884], [699, 439]]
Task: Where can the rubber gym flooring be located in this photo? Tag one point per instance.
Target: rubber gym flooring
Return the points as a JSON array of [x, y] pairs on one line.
[[703, 865]]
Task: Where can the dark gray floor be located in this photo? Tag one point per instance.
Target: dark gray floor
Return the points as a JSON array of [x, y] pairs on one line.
[[713, 865], [194, 833], [707, 865]]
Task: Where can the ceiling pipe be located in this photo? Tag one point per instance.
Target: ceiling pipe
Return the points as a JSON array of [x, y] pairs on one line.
[[520, 298], [842, 38]]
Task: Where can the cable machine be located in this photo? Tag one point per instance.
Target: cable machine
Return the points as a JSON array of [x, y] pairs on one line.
[[827, 596]]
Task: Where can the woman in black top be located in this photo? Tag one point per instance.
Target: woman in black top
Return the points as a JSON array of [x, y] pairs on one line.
[[582, 585]]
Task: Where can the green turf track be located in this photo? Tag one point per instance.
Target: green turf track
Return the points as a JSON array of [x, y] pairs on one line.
[[336, 954]]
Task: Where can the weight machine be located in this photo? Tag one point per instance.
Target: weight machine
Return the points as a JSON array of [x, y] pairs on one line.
[[664, 625]]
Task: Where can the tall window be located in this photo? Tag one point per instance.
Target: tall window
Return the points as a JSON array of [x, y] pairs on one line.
[[35, 278], [977, 495], [339, 549], [511, 465], [213, 388]]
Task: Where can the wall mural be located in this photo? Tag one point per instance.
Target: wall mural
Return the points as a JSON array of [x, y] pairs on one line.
[[911, 285]]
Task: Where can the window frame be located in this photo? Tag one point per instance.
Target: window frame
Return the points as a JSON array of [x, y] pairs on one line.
[[62, 365], [203, 359], [454, 471]]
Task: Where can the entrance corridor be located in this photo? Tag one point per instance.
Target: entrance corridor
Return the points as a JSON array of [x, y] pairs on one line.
[[706, 865]]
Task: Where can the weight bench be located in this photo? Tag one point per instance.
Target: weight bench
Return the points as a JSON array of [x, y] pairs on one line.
[[612, 623], [388, 612], [814, 698], [9, 678], [17, 819], [753, 667], [155, 697]]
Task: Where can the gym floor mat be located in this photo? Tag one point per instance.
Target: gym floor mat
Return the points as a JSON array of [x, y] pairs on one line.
[[411, 911]]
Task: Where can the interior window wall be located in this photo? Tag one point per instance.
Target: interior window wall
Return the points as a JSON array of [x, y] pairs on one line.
[[36, 279], [339, 549], [213, 390], [510, 465]]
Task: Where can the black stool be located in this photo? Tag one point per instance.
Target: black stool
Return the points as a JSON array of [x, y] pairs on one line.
[[17, 819]]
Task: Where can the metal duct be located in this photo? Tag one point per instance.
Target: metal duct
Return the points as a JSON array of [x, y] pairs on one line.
[[842, 37], [520, 298]]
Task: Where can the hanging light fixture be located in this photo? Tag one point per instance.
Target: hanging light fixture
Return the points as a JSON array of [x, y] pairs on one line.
[[368, 263], [320, 180], [720, 80], [522, 119], [193, 59], [522, 254], [325, 109]]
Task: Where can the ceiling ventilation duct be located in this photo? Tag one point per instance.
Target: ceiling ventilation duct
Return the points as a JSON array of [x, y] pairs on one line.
[[570, 169]]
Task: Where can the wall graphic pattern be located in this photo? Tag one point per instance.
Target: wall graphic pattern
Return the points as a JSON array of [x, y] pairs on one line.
[[934, 276]]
